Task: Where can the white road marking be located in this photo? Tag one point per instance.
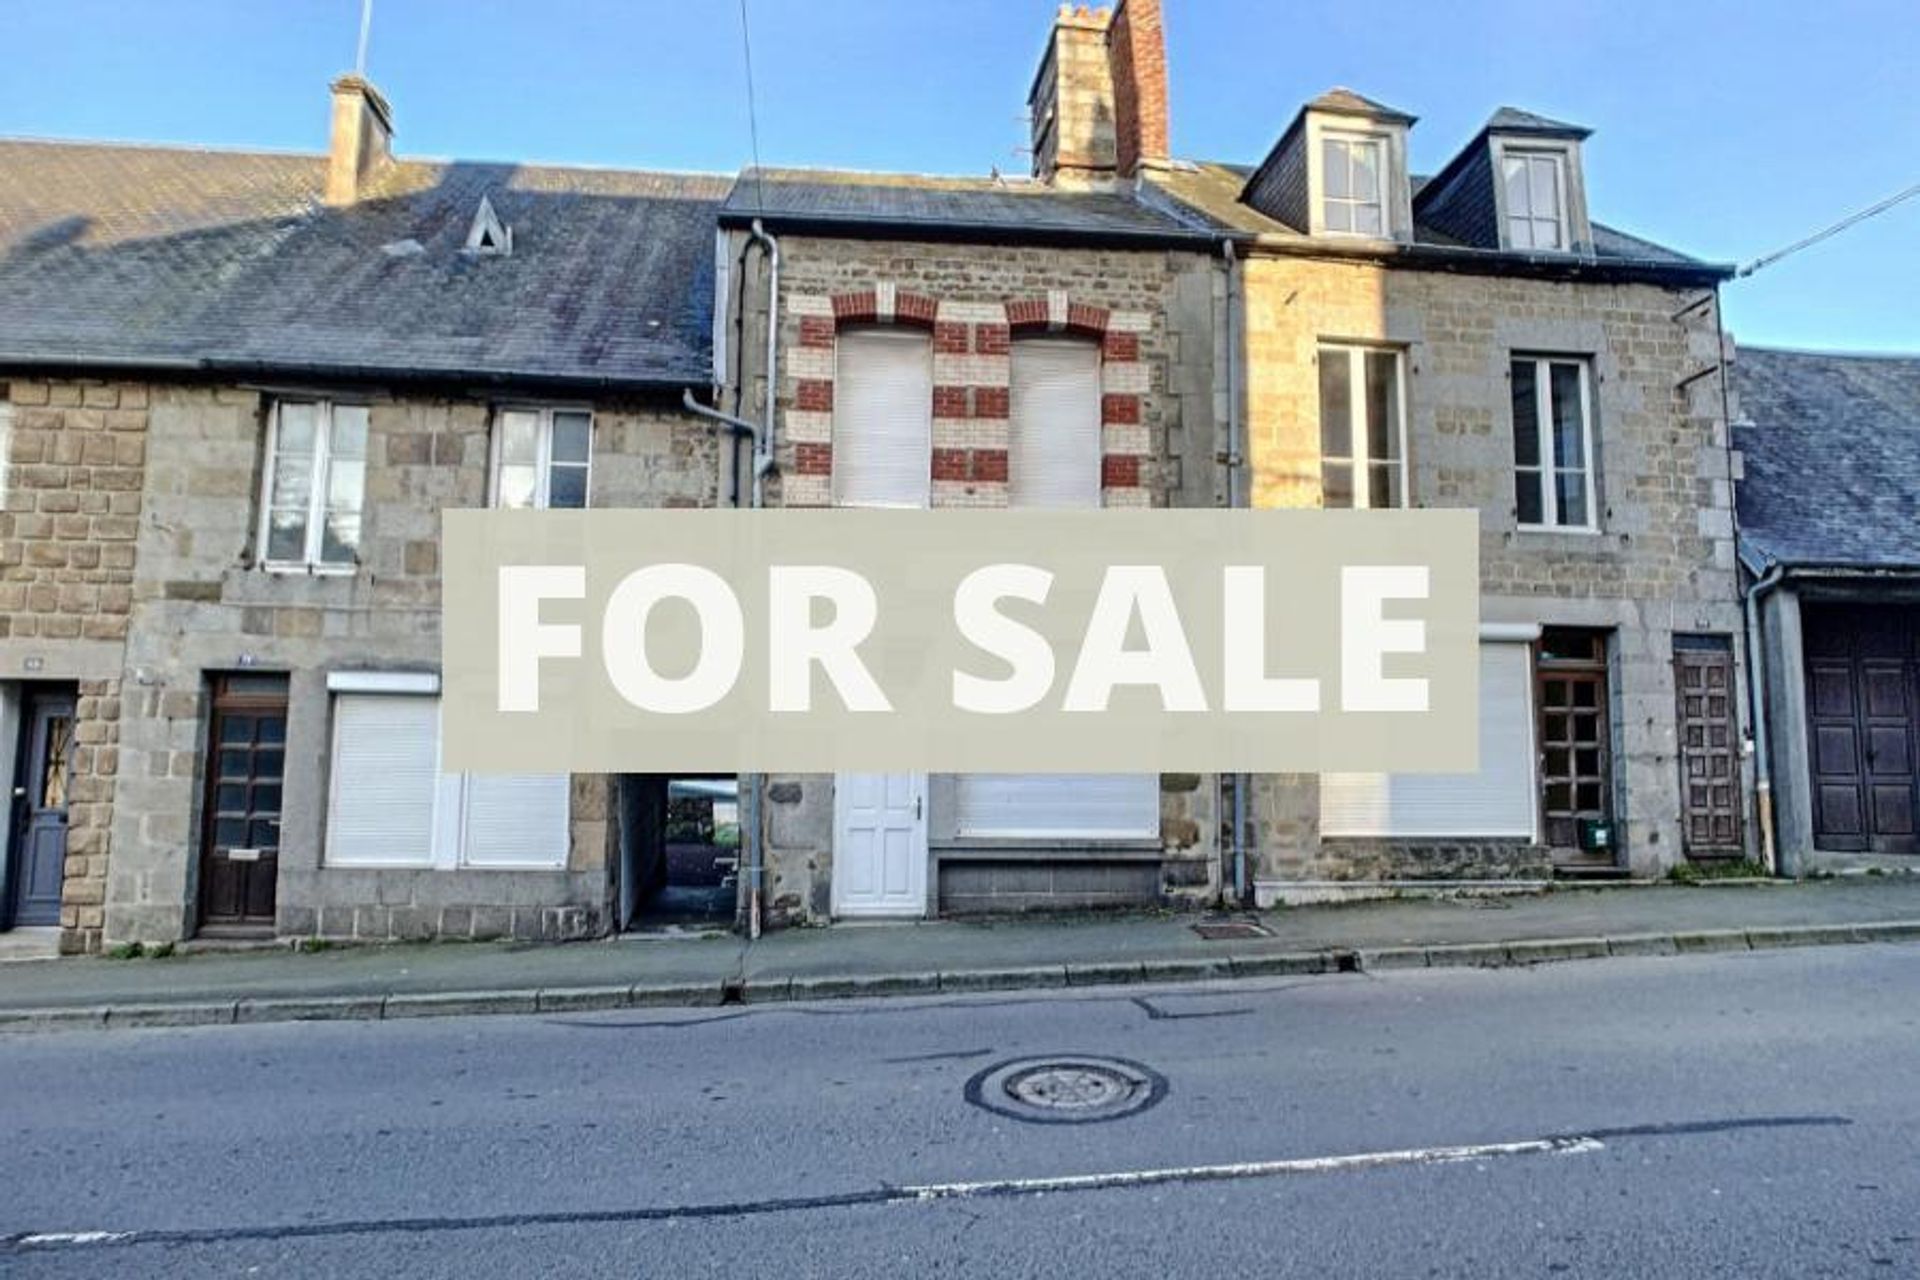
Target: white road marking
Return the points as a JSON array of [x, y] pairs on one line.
[[886, 1195], [1254, 1169]]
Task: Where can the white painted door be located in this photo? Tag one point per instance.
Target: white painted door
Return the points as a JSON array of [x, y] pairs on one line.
[[880, 844]]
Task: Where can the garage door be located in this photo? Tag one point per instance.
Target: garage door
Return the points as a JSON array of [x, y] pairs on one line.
[[1863, 726]]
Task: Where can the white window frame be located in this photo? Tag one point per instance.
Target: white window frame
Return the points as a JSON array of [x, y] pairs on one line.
[[6, 455], [1383, 154], [1548, 466], [543, 457], [310, 561], [447, 839], [1563, 228], [1359, 439]]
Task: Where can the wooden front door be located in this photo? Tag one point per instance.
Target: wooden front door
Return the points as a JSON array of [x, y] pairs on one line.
[[240, 839], [42, 776], [1863, 727], [1576, 757], [1710, 797]]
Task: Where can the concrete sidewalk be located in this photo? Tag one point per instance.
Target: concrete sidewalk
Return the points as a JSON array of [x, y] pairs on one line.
[[470, 978]]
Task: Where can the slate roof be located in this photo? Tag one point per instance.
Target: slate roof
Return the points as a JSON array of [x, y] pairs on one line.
[[1211, 190], [173, 257], [1342, 99], [1008, 207], [1832, 459], [1514, 120]]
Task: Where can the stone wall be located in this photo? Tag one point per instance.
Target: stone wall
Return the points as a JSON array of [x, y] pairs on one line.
[[74, 456], [202, 606], [1662, 561], [1157, 316]]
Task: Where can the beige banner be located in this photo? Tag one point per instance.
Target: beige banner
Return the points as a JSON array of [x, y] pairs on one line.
[[960, 641]]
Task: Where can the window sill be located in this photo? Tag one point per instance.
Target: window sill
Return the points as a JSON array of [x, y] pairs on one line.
[[287, 570], [1578, 531]]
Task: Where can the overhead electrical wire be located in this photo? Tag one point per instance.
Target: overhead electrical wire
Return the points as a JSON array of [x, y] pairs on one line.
[[1768, 260]]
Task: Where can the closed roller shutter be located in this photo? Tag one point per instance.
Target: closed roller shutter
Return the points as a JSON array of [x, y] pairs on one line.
[[1496, 802], [516, 821], [386, 769], [1086, 806], [883, 419], [1053, 455]]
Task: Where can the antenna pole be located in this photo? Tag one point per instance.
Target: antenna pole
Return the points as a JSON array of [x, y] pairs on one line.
[[366, 27]]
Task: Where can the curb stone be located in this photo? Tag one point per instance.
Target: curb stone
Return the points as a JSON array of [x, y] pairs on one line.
[[1712, 940], [318, 1009], [263, 1009], [583, 999], [454, 1004], [1054, 975], [893, 984], [1642, 944]]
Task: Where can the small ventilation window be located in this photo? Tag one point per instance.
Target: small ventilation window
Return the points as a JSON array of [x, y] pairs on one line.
[[488, 235]]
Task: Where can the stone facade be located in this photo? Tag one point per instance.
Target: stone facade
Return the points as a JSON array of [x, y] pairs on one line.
[[129, 566], [69, 516], [1661, 563], [1157, 316]]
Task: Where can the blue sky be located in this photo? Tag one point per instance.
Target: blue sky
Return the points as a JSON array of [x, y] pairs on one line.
[[1722, 127]]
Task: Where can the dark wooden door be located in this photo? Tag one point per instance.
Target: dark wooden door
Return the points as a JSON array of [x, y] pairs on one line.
[[1710, 796], [42, 776], [246, 762], [1576, 757], [1863, 727]]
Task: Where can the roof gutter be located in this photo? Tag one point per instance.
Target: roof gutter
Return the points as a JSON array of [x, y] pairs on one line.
[[1466, 258], [945, 231], [341, 372]]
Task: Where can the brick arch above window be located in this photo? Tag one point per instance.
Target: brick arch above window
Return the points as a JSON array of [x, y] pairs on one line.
[[1056, 313], [884, 304]]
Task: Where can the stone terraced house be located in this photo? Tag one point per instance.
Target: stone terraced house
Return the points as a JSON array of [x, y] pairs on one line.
[[240, 388], [1830, 544], [1476, 339]]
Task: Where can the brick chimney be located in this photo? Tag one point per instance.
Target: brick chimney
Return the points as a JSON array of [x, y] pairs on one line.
[[362, 139], [1099, 100], [1137, 52]]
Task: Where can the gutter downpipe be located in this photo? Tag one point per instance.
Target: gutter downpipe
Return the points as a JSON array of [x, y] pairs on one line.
[[1750, 604], [1236, 461], [762, 464], [1757, 691]]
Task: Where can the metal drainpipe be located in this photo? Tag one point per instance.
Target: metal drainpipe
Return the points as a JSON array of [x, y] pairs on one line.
[[1236, 460], [1757, 691], [762, 464]]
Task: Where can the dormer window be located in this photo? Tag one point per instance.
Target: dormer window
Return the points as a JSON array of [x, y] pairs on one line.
[[1354, 201], [1535, 186], [1340, 169]]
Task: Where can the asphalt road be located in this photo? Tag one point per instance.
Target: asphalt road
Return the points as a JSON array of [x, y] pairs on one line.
[[1745, 1115]]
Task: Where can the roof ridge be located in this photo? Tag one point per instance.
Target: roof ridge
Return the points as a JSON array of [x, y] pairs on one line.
[[175, 148], [1765, 348]]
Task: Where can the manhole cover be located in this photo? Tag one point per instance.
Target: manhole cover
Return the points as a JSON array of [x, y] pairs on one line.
[[1066, 1089]]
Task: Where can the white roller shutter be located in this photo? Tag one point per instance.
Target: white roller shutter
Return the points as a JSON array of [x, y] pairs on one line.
[[386, 769], [1498, 801], [883, 419], [1083, 806], [515, 821], [1054, 461], [1053, 454]]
